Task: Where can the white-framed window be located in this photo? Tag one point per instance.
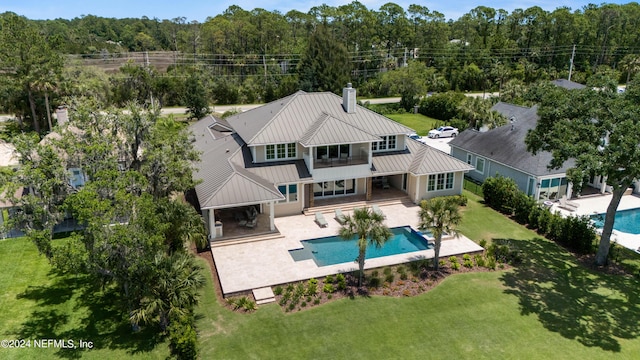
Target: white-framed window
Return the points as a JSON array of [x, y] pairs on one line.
[[290, 193], [387, 143], [440, 182], [480, 165], [469, 159], [281, 151]]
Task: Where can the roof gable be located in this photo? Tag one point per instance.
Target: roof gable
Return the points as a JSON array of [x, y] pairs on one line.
[[328, 130], [290, 119]]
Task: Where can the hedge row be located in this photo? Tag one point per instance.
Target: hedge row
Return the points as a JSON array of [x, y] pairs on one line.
[[574, 232]]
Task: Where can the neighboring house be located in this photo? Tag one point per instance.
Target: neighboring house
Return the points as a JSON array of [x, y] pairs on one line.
[[287, 155], [502, 151], [568, 84]]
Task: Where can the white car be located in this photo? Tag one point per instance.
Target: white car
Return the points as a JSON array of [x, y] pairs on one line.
[[443, 131]]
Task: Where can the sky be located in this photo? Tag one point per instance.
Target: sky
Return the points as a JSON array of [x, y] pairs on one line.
[[200, 10]]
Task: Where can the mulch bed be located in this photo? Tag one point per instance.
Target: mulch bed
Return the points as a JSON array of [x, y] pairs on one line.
[[396, 281]]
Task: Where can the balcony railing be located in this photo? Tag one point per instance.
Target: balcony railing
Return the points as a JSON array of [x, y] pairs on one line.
[[340, 161]]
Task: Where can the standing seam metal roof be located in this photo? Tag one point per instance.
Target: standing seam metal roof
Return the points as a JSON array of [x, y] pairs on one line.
[[289, 119]]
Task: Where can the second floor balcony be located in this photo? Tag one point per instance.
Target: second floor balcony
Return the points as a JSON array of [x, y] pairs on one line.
[[342, 160]]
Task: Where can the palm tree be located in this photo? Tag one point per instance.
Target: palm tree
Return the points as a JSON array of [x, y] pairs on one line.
[[439, 215], [631, 64], [173, 290], [368, 226]]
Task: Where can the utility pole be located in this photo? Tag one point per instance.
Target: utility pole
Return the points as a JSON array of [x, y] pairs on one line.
[[573, 53], [146, 66]]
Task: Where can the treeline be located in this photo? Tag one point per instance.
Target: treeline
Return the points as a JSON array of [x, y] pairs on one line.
[[243, 56], [602, 34]]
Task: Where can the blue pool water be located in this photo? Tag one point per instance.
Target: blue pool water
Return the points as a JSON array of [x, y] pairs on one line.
[[627, 221], [335, 250]]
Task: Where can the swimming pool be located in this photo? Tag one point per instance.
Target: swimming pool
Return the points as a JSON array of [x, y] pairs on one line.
[[335, 250], [627, 221]]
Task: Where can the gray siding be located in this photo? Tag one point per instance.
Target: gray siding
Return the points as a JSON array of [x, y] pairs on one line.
[[492, 169]]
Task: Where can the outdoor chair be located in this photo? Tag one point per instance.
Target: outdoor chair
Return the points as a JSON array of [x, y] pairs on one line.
[[340, 217], [385, 183], [320, 220], [252, 223], [377, 210]]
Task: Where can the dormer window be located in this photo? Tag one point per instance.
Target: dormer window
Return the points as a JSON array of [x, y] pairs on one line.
[[281, 151], [387, 143]]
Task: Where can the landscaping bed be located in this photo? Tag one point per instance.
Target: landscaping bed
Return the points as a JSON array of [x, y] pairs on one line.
[[402, 280]]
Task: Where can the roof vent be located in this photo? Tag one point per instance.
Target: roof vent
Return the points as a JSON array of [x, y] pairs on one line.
[[349, 99]]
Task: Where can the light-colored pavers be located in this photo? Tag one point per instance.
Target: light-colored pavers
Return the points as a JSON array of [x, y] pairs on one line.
[[264, 295], [253, 265], [598, 205]]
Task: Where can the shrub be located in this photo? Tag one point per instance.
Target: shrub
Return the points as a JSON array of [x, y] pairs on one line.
[[308, 298], [375, 273], [466, 257], [500, 193], [523, 205], [442, 262], [292, 306], [278, 290], [328, 288], [303, 304], [453, 259], [483, 243], [249, 305], [389, 278], [455, 266], [183, 340], [468, 263], [329, 296], [544, 221], [342, 282], [290, 287], [300, 290], [374, 282], [312, 287], [480, 261], [329, 279], [404, 276], [387, 270], [283, 301], [316, 301], [461, 200], [491, 263]]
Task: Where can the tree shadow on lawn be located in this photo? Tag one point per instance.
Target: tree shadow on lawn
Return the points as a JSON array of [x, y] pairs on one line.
[[98, 317], [591, 307]]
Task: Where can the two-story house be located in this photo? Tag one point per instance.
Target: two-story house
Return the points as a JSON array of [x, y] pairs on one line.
[[285, 156]]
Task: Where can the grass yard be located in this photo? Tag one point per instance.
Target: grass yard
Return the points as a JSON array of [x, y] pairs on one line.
[[547, 308], [38, 304], [420, 123]]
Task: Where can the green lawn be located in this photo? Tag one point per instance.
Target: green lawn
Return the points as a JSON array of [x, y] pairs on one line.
[[420, 123], [546, 308]]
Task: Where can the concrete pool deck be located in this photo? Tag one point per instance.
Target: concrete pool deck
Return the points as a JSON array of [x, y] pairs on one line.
[[251, 265], [598, 205]]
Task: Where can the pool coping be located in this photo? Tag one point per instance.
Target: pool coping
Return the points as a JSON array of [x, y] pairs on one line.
[[246, 266]]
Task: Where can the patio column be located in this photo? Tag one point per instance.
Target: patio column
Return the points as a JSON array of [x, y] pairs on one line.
[[212, 223], [416, 198], [569, 190], [603, 185], [272, 226]]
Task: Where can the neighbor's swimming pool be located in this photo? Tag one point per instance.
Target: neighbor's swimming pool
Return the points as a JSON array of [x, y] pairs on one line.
[[627, 221], [335, 250]]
